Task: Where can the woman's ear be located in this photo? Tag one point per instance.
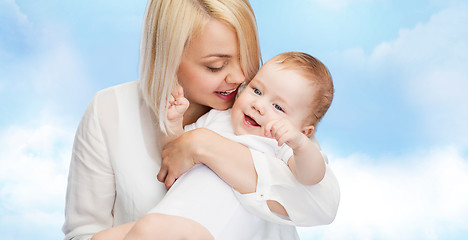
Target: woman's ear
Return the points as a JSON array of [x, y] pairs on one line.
[[308, 130]]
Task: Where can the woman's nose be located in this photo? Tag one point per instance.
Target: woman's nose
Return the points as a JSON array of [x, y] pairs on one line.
[[236, 75]]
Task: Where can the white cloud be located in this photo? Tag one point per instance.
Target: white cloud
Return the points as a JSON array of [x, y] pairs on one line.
[[15, 28], [34, 154], [433, 58], [59, 70], [33, 173], [10, 10], [422, 196], [43, 75], [43, 69], [428, 65]]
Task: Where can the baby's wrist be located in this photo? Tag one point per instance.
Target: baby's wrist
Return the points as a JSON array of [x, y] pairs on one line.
[[176, 126], [301, 143]]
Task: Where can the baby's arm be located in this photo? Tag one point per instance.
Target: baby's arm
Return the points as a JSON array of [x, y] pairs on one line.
[[177, 105], [307, 163]]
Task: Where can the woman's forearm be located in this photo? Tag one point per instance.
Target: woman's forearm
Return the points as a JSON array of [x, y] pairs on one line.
[[230, 160], [233, 163]]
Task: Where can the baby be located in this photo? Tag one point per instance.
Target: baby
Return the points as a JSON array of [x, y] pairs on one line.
[[277, 113]]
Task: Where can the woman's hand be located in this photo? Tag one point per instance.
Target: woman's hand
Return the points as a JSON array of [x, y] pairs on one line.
[[177, 158], [230, 160]]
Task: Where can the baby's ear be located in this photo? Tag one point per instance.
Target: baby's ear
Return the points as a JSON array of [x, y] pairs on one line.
[[308, 130]]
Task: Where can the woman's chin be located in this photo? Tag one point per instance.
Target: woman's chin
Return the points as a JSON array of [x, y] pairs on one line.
[[222, 106]]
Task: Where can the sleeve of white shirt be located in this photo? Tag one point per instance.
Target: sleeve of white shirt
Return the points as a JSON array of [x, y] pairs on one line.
[[306, 205], [91, 187]]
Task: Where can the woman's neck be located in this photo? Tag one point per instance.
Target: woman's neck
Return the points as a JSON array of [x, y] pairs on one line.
[[194, 112]]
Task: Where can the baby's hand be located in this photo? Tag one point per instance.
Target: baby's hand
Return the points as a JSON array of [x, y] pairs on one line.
[[178, 104], [284, 132]]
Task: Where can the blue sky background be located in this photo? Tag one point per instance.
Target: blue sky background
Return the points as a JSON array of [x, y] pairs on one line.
[[396, 133]]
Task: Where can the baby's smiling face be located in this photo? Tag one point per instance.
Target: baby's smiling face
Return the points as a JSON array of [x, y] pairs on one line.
[[273, 94]]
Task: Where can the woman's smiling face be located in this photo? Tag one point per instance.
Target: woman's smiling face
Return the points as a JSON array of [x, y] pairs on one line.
[[210, 71]]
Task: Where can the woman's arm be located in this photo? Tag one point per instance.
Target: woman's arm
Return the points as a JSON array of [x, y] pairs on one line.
[[264, 184], [90, 191], [232, 161]]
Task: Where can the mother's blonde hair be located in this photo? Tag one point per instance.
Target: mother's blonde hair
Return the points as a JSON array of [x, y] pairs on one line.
[[169, 26]]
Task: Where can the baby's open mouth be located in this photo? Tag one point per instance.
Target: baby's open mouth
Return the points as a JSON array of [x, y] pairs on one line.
[[250, 121]]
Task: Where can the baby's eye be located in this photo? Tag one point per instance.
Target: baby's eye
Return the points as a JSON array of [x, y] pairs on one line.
[[256, 91], [278, 107]]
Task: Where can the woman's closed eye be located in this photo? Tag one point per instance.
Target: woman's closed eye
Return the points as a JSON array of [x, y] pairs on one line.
[[215, 69], [217, 66]]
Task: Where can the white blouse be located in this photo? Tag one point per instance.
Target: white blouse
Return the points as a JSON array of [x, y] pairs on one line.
[[115, 160]]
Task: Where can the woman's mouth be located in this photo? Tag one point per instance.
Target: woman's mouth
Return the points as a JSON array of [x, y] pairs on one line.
[[227, 95], [249, 121]]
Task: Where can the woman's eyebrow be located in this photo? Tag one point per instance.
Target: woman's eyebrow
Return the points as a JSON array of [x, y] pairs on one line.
[[218, 55]]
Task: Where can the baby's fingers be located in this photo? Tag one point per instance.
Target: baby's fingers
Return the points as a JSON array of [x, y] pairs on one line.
[[285, 138], [180, 91], [267, 129], [171, 100], [177, 91], [281, 140], [271, 128], [182, 104], [279, 134], [276, 128]]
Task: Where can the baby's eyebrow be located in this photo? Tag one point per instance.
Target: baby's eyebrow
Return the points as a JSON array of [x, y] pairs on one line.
[[258, 81], [282, 101]]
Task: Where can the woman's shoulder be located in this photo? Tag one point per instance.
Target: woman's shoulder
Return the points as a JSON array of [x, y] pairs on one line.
[[120, 107], [121, 95], [124, 89], [112, 101]]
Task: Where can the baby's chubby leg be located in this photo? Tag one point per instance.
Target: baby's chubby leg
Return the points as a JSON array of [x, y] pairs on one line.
[[161, 227]]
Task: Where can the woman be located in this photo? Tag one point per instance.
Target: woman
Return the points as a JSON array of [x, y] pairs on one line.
[[116, 155]]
